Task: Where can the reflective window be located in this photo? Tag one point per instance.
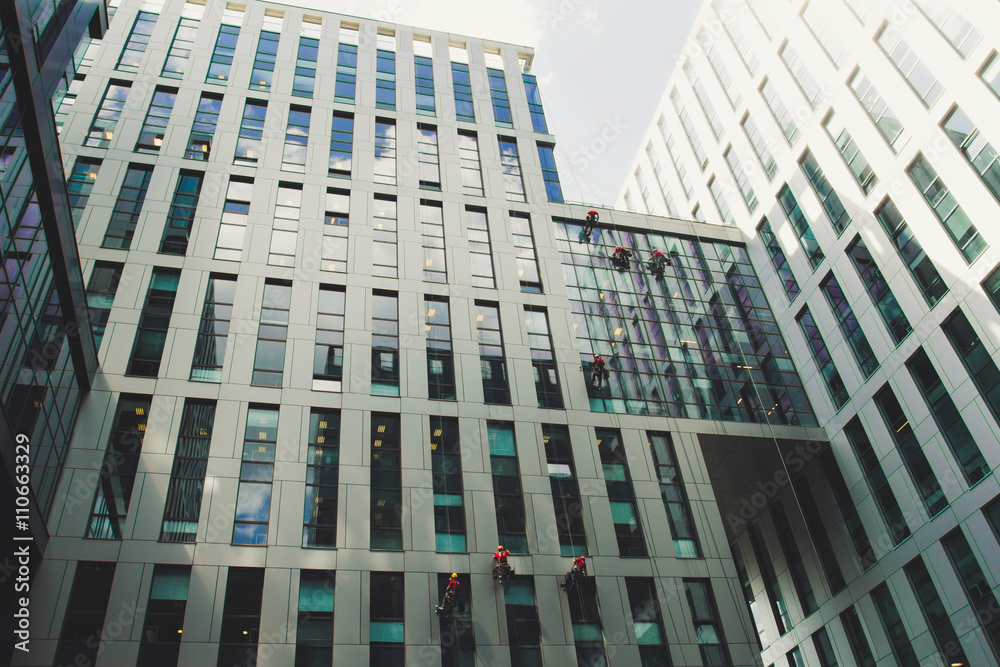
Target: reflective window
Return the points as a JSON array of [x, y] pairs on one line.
[[253, 501]]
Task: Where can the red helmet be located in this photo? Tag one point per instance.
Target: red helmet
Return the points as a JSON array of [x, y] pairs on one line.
[[591, 212]]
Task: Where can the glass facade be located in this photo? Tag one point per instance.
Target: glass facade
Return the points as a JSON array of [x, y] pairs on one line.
[[679, 356]]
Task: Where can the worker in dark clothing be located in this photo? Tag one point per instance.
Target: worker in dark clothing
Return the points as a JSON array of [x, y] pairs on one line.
[[599, 374], [450, 599], [657, 263], [620, 259]]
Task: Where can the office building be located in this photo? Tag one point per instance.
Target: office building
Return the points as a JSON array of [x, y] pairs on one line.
[[853, 144]]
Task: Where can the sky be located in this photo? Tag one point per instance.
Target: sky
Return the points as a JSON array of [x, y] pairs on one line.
[[601, 67]]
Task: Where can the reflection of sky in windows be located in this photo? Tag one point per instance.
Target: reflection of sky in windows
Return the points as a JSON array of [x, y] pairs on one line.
[[701, 342]]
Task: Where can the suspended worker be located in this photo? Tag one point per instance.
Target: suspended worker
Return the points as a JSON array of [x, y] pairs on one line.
[[578, 572], [451, 592], [599, 374], [657, 263], [502, 568], [620, 258], [592, 217]]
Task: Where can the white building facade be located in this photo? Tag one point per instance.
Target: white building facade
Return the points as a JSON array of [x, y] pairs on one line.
[[854, 142]]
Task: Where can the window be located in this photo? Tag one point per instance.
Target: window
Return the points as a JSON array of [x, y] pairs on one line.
[[624, 510], [182, 509], [565, 490], [760, 147], [707, 42], [154, 126], [679, 166], [429, 169], [889, 126], [689, 130], [203, 128], [347, 64], [828, 197], [335, 230], [263, 63], [546, 156], [233, 227], [272, 333], [813, 520], [825, 34], [385, 151], [498, 95], [491, 354], [543, 358], [341, 144], [446, 467], [222, 55], [704, 102], [180, 48], [213, 332], [878, 289], [782, 116], [849, 325], [770, 580], [935, 613], [915, 72], [386, 485], [138, 39], [953, 218], [668, 199], [314, 632], [716, 188], [730, 23], [384, 261], [736, 168], [164, 622], [778, 260], [871, 466], [534, 104], [293, 157], [440, 360], [848, 509], [319, 522], [458, 643], [385, 625], [468, 155], [85, 613], [180, 218], [976, 359], [707, 624], [385, 71], [64, 106], [585, 617], [285, 227], [953, 26], [511, 164], [154, 322], [991, 285], [797, 219], [241, 616], [793, 558], [128, 206], [80, 184], [920, 266], [328, 359], [911, 451], [253, 501], [990, 73], [810, 88], [856, 162], [647, 621], [526, 260], [856, 638], [304, 81], [507, 493], [464, 109], [101, 290], [824, 362], [744, 578], [480, 248], [102, 128], [524, 628], [824, 649], [248, 146], [385, 344], [974, 148], [974, 583], [424, 76], [121, 459]]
